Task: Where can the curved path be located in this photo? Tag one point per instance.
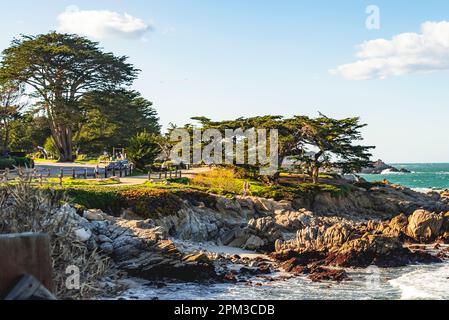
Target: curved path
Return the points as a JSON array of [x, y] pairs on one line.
[[55, 168]]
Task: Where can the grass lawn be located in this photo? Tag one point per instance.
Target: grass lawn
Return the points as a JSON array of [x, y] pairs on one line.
[[92, 161], [44, 160], [87, 182], [151, 199]]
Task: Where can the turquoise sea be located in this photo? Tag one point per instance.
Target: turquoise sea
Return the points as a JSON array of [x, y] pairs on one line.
[[422, 176]]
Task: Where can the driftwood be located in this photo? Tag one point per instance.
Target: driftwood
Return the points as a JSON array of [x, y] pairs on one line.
[[25, 254]]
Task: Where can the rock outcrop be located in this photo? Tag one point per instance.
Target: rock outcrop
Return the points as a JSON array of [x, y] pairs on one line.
[[347, 244], [379, 167], [138, 247], [305, 236], [424, 226]]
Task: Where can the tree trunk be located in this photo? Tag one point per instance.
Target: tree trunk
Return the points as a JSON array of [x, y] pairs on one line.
[[6, 141], [63, 141]]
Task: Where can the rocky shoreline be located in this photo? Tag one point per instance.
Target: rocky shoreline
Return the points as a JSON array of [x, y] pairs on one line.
[[383, 225], [379, 167]]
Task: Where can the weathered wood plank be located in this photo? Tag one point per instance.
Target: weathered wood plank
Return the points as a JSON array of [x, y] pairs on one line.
[[26, 253], [29, 288]]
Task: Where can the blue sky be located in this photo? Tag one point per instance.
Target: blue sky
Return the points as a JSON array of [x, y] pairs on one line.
[[225, 59]]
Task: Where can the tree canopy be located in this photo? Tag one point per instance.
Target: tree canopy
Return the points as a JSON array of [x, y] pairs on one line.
[[110, 119], [61, 69], [314, 143], [327, 142], [11, 105]]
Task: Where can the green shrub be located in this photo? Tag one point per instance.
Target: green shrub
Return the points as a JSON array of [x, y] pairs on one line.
[[90, 196], [179, 180], [103, 158], [151, 203], [23, 162], [219, 178], [7, 163], [291, 191], [329, 175], [50, 147], [143, 149], [82, 157], [148, 201]]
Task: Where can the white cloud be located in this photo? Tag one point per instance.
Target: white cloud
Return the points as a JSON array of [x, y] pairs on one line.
[[100, 24], [405, 53]]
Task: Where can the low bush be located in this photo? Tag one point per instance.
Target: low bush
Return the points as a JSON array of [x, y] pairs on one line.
[[220, 178], [84, 158], [7, 163], [23, 162], [151, 203], [93, 197], [179, 180], [148, 200], [291, 191], [103, 158], [50, 147]]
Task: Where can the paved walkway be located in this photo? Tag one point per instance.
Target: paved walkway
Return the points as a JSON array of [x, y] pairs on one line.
[[55, 167], [142, 179]]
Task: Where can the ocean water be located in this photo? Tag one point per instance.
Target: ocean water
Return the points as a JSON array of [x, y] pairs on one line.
[[423, 282], [423, 176], [411, 282]]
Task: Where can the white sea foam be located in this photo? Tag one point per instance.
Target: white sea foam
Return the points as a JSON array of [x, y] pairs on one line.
[[426, 282], [425, 190], [389, 171]]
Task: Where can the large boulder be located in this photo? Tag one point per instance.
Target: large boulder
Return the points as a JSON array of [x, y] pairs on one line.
[[239, 237], [228, 206], [83, 234], [265, 228], [424, 226], [94, 215], [254, 243], [395, 228], [446, 221], [381, 251], [444, 196], [294, 220], [323, 237]]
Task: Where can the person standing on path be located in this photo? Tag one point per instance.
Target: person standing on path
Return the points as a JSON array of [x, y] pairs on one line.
[[246, 188]]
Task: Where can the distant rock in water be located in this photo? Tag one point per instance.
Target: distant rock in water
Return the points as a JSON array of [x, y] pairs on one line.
[[379, 167]]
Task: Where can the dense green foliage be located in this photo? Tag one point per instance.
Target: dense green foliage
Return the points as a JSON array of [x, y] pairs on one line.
[[10, 162], [333, 141], [62, 69], [313, 143], [80, 99], [10, 107], [143, 149], [50, 148], [112, 118], [7, 163]]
